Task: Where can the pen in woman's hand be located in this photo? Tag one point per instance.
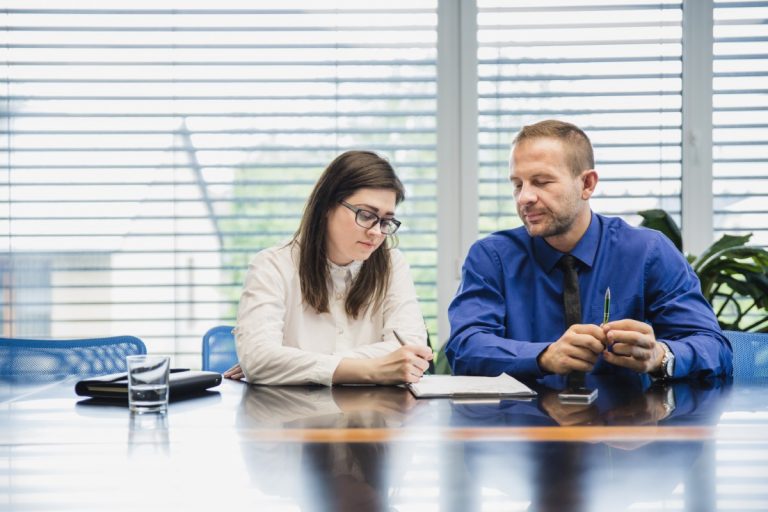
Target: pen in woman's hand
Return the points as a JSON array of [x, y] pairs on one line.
[[402, 342], [399, 339]]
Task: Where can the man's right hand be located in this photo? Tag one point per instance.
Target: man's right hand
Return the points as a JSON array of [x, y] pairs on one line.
[[576, 350]]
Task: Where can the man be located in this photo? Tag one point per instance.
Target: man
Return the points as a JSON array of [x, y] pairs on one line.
[[508, 315]]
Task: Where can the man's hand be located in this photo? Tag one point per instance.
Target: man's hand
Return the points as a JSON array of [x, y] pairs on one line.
[[569, 414], [633, 345], [576, 350], [648, 409]]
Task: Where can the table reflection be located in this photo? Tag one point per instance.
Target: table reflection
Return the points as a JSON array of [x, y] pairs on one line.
[[323, 476], [638, 447], [148, 434], [609, 475]]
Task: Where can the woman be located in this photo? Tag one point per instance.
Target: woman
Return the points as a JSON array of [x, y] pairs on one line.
[[323, 308]]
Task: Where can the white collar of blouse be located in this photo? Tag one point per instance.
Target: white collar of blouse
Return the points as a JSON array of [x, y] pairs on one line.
[[347, 271]]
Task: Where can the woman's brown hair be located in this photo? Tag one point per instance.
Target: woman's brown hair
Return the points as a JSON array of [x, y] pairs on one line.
[[348, 173]]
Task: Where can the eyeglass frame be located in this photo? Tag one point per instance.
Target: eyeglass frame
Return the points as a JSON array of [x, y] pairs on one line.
[[393, 221]]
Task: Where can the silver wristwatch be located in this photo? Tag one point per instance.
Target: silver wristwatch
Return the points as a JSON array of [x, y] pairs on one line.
[[667, 370]]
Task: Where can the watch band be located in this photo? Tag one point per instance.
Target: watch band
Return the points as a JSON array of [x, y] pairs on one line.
[[667, 369]]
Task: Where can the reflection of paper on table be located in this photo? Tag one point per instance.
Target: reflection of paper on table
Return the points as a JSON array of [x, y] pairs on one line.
[[467, 386]]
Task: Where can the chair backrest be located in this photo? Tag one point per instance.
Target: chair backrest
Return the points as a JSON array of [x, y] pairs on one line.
[[750, 356], [219, 352], [25, 360]]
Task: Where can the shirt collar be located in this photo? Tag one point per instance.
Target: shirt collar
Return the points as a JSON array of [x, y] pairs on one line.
[[347, 272], [585, 250]]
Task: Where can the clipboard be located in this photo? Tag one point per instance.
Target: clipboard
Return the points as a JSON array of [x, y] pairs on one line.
[[464, 386]]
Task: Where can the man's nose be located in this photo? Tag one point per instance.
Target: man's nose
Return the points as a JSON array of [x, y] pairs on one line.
[[526, 195]]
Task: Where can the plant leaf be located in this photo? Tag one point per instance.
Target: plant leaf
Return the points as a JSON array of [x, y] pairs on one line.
[[661, 221], [725, 242]]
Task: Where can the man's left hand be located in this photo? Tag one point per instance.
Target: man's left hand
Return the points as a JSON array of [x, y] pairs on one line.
[[633, 345]]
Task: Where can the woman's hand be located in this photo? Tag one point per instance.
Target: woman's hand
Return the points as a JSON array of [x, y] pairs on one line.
[[406, 364], [235, 373]]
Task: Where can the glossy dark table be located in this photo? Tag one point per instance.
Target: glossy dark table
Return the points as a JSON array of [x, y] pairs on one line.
[[377, 448]]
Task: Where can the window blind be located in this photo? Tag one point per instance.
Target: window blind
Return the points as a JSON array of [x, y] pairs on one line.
[[740, 119], [150, 149], [612, 68]]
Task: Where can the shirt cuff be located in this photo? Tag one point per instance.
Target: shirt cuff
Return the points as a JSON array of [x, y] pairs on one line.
[[529, 362], [325, 368], [683, 354]]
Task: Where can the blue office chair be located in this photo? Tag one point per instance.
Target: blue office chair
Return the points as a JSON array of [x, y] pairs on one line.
[[219, 352], [24, 360], [750, 356]]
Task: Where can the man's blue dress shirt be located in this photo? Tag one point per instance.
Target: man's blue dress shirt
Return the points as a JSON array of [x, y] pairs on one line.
[[509, 306]]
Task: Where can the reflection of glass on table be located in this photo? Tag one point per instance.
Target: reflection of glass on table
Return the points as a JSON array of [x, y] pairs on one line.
[[148, 434]]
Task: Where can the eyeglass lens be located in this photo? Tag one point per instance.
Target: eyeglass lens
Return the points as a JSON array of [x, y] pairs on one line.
[[368, 220]]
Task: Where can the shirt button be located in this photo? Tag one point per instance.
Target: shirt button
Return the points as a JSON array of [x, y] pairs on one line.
[[339, 296], [341, 331]]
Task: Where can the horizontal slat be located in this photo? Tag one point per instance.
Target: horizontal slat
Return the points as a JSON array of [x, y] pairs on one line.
[[597, 76], [179, 64], [737, 4], [183, 183], [175, 114], [80, 29], [126, 10], [600, 7], [577, 59], [412, 45], [203, 252], [606, 23], [67, 130], [218, 98], [248, 165], [596, 94], [584, 42], [149, 200], [212, 149], [63, 268], [282, 149]]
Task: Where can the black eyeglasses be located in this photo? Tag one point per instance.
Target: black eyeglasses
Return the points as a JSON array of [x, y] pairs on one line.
[[367, 219]]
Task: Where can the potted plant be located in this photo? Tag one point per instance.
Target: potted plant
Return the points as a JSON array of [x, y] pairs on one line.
[[734, 276]]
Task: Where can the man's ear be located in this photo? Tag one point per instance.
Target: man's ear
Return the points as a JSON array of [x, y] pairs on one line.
[[589, 181]]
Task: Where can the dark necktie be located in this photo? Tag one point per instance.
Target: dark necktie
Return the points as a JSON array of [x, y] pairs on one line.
[[572, 306], [571, 300]]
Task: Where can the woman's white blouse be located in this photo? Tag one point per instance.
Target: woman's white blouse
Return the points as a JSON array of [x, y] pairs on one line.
[[280, 340]]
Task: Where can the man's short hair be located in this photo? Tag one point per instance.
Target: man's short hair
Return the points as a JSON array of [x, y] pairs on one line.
[[578, 148]]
